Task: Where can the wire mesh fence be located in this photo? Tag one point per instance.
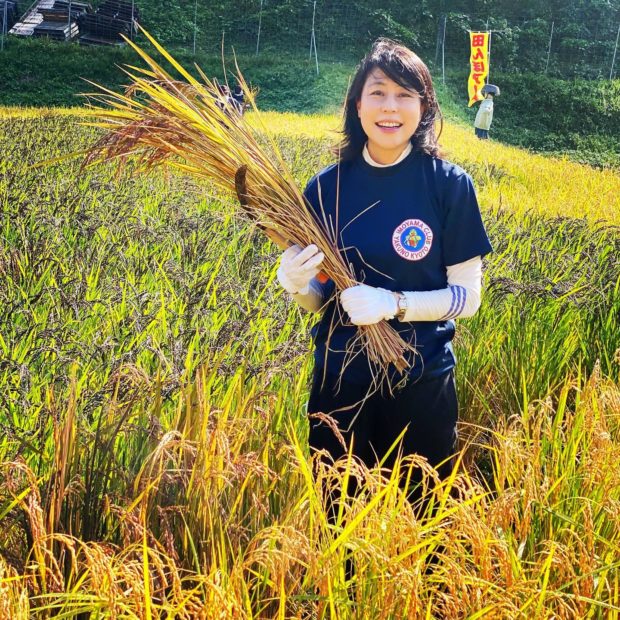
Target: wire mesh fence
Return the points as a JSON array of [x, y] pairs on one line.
[[577, 45], [526, 37], [553, 47]]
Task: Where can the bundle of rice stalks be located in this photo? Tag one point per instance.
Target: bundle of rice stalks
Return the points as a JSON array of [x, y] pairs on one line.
[[186, 124]]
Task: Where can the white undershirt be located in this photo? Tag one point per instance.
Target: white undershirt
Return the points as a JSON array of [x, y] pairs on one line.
[[372, 162]]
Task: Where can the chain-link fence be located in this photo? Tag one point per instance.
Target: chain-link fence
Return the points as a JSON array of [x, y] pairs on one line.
[[580, 45], [545, 38], [270, 27], [553, 47]]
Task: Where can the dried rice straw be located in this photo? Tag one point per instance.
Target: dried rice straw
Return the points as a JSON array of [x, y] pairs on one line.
[[185, 125]]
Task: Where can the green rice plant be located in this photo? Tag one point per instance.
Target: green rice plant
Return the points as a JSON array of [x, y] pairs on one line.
[[551, 309]]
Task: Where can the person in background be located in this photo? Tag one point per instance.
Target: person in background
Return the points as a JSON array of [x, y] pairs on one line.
[[238, 99], [484, 116], [224, 98]]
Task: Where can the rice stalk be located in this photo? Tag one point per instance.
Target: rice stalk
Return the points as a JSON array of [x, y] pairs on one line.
[[186, 125]]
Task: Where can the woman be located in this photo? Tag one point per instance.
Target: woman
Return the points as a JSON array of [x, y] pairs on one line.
[[409, 224]]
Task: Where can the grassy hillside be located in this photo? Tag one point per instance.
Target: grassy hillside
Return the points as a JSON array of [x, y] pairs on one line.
[[578, 118], [40, 73]]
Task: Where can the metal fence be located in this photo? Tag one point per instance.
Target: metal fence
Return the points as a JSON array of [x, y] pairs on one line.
[[537, 45], [328, 30]]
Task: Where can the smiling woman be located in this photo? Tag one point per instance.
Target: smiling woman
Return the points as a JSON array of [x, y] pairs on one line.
[[408, 224]]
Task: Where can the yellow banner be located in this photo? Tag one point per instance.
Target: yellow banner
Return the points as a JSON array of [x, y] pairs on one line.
[[479, 61]]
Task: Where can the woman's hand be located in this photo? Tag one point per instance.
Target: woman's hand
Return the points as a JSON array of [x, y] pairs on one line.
[[298, 267], [367, 305]]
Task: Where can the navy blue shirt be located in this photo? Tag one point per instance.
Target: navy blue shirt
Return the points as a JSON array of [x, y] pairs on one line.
[[399, 228]]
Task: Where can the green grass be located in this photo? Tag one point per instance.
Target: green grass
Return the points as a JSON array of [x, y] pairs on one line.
[[39, 73], [576, 118]]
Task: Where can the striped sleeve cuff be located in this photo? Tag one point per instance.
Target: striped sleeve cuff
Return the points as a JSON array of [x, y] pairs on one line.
[[459, 298]]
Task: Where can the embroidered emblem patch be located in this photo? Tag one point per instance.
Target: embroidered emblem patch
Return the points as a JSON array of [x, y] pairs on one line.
[[412, 239]]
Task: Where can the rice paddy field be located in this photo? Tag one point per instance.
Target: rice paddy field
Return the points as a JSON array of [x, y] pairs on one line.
[[153, 381]]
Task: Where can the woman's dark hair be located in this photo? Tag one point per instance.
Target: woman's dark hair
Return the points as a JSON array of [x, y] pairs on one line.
[[408, 70]]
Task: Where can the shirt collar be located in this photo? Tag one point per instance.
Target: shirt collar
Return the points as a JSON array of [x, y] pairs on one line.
[[372, 162]]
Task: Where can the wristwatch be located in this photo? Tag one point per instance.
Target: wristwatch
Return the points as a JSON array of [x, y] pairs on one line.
[[403, 305]]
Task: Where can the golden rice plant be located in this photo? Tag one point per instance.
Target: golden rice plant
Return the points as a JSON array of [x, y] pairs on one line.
[[187, 125], [538, 537]]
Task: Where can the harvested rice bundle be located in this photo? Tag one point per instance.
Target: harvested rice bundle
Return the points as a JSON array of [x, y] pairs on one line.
[[188, 126]]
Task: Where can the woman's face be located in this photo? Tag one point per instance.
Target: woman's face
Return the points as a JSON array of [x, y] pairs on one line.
[[390, 115]]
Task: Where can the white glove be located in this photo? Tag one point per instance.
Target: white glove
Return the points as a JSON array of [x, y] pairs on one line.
[[298, 267], [367, 305]]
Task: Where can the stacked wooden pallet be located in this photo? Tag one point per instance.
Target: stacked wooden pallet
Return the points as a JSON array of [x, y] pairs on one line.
[[57, 24], [106, 26], [109, 23], [59, 12], [60, 31]]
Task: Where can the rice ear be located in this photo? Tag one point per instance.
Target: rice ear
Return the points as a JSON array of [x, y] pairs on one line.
[[241, 189], [188, 126]]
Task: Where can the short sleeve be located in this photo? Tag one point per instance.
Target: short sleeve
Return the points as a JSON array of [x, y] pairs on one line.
[[464, 235]]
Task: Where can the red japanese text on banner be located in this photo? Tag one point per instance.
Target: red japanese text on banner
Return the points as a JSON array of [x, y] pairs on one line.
[[479, 62]]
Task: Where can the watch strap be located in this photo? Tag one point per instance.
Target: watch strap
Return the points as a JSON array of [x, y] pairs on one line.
[[403, 305]]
